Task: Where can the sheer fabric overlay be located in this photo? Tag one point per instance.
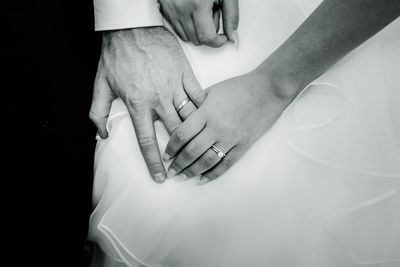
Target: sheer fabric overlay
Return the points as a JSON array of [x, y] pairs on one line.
[[321, 188]]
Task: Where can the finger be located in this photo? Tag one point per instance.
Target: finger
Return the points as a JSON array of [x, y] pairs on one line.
[[206, 30], [208, 160], [170, 18], [230, 18], [190, 31], [185, 132], [193, 88], [101, 105], [180, 32], [216, 18], [146, 137], [170, 118], [186, 110], [190, 153], [219, 169], [180, 97]]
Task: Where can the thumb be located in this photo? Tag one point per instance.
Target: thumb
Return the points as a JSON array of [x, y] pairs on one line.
[[101, 105], [193, 88], [230, 17]]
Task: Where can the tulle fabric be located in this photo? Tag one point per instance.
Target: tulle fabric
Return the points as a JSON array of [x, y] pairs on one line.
[[321, 188]]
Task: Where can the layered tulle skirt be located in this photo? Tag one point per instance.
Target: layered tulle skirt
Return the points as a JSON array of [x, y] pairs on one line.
[[321, 188]]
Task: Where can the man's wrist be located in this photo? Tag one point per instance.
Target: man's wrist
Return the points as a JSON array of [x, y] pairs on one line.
[[137, 34], [145, 37]]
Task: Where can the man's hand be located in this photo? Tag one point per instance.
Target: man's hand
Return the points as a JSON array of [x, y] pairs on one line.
[[197, 21], [145, 67]]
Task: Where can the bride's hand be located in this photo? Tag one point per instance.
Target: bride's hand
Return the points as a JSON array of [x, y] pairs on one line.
[[234, 115]]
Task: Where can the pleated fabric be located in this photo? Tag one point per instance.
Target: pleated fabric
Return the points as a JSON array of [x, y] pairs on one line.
[[320, 188]]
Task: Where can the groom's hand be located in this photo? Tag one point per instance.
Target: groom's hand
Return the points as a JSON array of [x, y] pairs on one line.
[[197, 21], [144, 67]]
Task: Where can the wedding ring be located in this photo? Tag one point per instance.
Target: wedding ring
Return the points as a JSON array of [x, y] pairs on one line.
[[219, 152], [182, 104]]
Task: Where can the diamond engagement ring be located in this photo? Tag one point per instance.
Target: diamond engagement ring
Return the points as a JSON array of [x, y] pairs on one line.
[[219, 152], [182, 104]]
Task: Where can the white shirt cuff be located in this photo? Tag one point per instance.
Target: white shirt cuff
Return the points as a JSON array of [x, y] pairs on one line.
[[122, 14]]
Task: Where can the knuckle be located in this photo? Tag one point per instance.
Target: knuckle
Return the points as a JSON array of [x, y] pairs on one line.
[[133, 100], [173, 127], [198, 94], [146, 142], [179, 136], [154, 166], [157, 99], [227, 162], [189, 153], [209, 159], [235, 21], [94, 117], [177, 166]]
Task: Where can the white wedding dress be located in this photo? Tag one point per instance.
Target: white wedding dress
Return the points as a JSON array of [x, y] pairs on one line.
[[321, 188]]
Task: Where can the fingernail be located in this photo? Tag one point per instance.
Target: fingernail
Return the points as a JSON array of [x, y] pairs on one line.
[[171, 173], [180, 178], [101, 136], [166, 156], [236, 39], [159, 177], [203, 181]]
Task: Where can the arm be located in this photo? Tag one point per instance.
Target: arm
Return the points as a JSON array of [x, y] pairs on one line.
[[334, 29], [196, 21], [144, 66]]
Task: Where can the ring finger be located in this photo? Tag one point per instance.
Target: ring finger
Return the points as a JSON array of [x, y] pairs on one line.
[[184, 108], [207, 161], [191, 152]]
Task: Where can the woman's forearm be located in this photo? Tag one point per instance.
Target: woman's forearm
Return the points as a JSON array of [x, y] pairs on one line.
[[334, 29]]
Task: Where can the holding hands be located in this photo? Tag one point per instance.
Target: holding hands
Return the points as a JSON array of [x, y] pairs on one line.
[[238, 111], [147, 69], [144, 67], [235, 113]]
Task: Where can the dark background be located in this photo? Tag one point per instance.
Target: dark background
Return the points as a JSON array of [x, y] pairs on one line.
[[49, 56]]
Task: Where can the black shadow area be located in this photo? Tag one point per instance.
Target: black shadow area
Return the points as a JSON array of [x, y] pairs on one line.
[[49, 58]]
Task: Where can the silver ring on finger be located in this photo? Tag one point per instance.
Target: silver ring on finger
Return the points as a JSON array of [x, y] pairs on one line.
[[219, 152], [182, 104]]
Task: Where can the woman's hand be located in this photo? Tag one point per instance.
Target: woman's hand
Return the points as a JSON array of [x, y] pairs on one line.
[[197, 21], [234, 115], [238, 111]]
